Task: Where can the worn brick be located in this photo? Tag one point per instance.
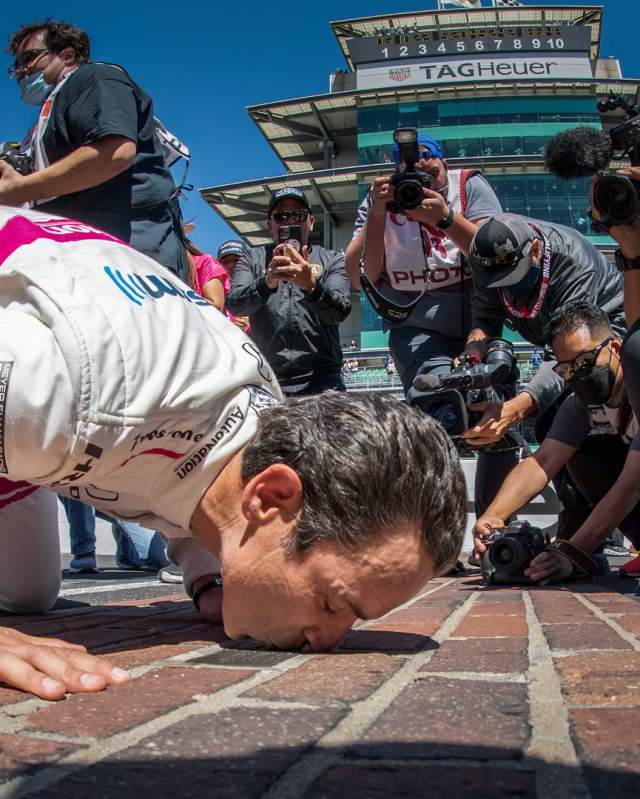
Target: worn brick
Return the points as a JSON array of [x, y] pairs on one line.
[[9, 696], [608, 743], [439, 718], [489, 609], [384, 641], [347, 678], [497, 655], [601, 678], [588, 635], [421, 621], [564, 611], [629, 621], [409, 782], [125, 706], [146, 654], [23, 753], [491, 626]]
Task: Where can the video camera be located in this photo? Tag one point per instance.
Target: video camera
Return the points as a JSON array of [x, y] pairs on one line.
[[585, 151], [10, 152], [447, 397], [409, 182], [510, 551]]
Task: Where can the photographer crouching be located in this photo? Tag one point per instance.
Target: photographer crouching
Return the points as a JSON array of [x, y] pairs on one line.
[[525, 271], [408, 253], [591, 436]]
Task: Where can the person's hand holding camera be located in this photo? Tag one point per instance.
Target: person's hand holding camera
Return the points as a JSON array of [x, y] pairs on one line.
[[432, 209], [11, 185], [548, 567], [497, 419], [293, 267], [381, 193], [482, 529], [278, 268]]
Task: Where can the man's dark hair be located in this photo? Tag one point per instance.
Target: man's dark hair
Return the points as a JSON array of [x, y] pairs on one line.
[[367, 463], [573, 316], [57, 35]]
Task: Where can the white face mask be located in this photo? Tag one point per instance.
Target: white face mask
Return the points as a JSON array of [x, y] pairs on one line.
[[34, 89]]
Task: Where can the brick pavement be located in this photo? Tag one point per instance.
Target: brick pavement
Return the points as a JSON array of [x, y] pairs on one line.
[[465, 692]]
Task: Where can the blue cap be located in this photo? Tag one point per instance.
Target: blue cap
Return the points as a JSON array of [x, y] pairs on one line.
[[431, 144], [231, 247]]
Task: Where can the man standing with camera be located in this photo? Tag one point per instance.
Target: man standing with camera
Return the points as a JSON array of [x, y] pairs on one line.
[[525, 271], [591, 434], [295, 295], [419, 254], [94, 148]]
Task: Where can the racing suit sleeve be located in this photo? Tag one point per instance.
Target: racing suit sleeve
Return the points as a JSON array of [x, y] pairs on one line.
[[248, 292], [330, 298], [193, 558]]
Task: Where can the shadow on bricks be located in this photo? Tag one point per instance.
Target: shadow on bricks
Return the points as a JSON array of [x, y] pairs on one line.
[[197, 759]]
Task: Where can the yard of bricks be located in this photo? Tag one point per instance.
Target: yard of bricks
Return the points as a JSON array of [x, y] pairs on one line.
[[466, 691]]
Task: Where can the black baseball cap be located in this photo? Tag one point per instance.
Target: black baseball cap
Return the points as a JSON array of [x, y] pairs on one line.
[[231, 247], [288, 193], [500, 251]]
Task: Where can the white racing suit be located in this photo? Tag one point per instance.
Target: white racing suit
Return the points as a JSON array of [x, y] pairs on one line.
[[119, 386]]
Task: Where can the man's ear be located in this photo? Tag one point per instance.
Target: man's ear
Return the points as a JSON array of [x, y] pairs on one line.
[[616, 345], [68, 55], [275, 491]]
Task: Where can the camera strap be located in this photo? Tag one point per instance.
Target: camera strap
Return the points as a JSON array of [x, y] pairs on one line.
[[389, 310], [582, 563]]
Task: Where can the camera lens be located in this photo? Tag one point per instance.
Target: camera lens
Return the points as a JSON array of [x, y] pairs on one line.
[[615, 197], [408, 194], [446, 414], [507, 553]]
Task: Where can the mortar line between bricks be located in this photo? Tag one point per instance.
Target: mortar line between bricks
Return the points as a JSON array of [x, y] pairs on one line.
[[600, 614], [550, 748], [476, 676], [103, 748], [330, 749]]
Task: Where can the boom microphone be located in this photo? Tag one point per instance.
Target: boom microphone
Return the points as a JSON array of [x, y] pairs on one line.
[[578, 152]]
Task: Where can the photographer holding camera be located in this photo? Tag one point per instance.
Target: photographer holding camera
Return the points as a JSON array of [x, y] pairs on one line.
[[526, 270], [408, 252], [95, 153], [591, 434]]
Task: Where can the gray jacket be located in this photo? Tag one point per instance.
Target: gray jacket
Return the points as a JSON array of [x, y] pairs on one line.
[[297, 332], [577, 272]]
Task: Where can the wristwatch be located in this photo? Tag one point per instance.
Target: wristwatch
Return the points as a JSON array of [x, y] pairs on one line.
[[625, 264], [446, 221]]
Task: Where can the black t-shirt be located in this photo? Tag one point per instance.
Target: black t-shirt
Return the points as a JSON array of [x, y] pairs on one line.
[[99, 100]]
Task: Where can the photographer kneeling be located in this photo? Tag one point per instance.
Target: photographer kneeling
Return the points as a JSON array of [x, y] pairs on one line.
[[591, 434], [525, 271], [411, 260]]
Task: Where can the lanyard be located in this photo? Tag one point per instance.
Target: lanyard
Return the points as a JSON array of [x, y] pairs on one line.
[[526, 313]]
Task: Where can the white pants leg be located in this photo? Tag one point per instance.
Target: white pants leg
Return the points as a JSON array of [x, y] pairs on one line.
[[29, 548]]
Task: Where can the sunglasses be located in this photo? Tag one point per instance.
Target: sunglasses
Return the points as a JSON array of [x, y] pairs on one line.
[[290, 217], [584, 362], [24, 59], [508, 259], [421, 154]]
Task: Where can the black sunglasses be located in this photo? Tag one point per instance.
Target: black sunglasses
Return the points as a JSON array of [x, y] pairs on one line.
[[583, 362], [508, 259], [288, 217], [24, 59]]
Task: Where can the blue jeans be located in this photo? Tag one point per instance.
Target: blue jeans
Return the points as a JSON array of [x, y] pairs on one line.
[[135, 546]]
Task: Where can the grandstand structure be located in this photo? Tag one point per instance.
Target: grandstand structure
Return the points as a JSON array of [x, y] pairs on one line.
[[494, 84]]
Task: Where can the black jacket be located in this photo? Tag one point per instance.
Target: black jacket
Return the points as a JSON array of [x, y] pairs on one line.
[[297, 332], [577, 272]]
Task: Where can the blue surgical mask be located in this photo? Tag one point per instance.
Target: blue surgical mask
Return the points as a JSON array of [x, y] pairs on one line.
[[34, 89]]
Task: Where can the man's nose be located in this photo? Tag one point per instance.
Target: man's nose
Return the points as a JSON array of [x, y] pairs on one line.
[[324, 637]]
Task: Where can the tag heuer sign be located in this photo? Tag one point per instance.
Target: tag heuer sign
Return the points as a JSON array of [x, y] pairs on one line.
[[404, 73]]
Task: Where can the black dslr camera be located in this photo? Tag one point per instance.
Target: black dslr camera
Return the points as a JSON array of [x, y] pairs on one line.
[[446, 397], [510, 551], [10, 152], [585, 151], [408, 183]]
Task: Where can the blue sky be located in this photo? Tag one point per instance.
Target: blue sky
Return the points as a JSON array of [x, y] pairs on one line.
[[204, 62]]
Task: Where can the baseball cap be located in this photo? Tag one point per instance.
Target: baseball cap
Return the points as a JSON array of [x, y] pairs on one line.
[[288, 193], [231, 247], [499, 253], [432, 145]]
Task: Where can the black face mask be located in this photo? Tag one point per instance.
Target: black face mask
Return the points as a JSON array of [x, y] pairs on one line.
[[521, 293], [596, 388]]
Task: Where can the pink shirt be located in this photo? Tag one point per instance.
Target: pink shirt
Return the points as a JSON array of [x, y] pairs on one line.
[[207, 268]]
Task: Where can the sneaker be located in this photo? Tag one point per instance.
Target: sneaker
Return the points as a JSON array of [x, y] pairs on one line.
[[83, 564], [630, 569], [170, 574], [613, 550]]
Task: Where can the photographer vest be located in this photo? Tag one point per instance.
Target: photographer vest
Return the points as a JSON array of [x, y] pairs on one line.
[[419, 255]]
